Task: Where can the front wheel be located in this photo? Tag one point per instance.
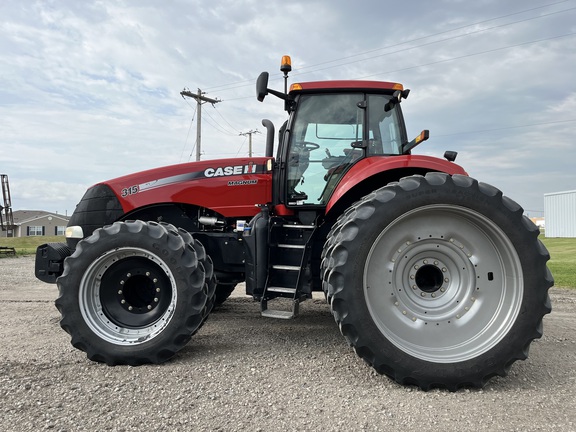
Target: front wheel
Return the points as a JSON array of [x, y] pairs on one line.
[[437, 281], [132, 293]]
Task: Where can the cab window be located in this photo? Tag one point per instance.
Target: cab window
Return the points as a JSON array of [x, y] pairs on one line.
[[327, 137], [321, 139]]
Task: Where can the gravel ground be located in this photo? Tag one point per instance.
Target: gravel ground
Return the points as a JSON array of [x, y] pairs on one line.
[[245, 372]]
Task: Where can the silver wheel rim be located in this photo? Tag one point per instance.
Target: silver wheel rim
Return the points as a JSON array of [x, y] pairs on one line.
[[443, 283], [94, 312]]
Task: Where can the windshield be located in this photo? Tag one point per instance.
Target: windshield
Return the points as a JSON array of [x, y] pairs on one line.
[[327, 137]]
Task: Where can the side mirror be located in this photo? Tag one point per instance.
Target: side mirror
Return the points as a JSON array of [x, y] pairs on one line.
[[396, 99], [262, 86]]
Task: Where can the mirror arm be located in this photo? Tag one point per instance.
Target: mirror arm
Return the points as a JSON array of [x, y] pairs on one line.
[[424, 135]]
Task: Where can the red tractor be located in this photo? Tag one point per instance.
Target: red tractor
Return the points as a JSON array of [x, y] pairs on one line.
[[434, 279]]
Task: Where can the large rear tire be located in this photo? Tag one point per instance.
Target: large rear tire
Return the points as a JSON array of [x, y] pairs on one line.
[[437, 281], [132, 293]]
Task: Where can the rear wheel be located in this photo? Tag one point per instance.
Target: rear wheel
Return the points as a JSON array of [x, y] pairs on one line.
[[132, 293], [448, 282]]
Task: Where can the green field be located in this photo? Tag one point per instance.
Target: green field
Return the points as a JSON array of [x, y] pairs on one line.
[[28, 245], [562, 251], [562, 262]]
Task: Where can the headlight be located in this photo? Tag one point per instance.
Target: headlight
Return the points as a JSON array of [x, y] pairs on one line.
[[74, 232]]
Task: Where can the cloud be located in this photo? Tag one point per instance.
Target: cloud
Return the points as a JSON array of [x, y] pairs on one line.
[[91, 89]]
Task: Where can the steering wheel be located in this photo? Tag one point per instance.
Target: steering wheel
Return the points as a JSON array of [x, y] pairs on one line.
[[310, 145]]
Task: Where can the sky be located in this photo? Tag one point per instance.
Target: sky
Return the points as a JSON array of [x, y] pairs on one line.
[[90, 90]]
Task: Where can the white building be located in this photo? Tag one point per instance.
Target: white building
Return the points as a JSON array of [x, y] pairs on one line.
[[560, 214]]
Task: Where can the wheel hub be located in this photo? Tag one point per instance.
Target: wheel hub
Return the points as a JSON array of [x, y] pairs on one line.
[[139, 293], [429, 278], [134, 292]]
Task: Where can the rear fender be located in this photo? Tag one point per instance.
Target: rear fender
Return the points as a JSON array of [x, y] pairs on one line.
[[375, 172]]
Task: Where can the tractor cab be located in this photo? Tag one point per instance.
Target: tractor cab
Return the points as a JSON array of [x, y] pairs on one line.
[[330, 132], [332, 126]]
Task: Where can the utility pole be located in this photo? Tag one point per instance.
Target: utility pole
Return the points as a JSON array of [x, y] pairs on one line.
[[200, 99], [249, 133]]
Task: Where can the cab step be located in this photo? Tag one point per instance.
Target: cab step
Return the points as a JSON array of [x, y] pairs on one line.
[[285, 290], [280, 314], [288, 272]]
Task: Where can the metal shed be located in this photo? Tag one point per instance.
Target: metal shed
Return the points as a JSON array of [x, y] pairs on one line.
[[560, 214]]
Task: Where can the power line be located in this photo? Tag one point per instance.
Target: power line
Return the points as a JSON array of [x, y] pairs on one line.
[[403, 50], [297, 71], [212, 122], [227, 122], [443, 32], [506, 127], [446, 60], [188, 136], [469, 55]]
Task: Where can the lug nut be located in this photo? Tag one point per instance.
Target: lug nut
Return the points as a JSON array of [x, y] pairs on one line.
[[149, 307], [120, 292], [157, 289], [155, 299], [147, 273], [130, 308], [123, 301], [128, 274]]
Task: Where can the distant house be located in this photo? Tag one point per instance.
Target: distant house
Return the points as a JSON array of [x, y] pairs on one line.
[[36, 223]]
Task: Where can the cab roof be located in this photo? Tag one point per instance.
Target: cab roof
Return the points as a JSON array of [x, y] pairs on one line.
[[359, 85]]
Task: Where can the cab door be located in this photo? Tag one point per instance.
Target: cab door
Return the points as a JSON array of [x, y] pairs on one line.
[[324, 138]]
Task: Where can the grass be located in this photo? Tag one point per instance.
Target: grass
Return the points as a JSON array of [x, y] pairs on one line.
[[28, 245], [562, 262], [562, 251]]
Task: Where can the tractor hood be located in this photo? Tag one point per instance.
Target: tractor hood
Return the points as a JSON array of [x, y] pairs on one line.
[[230, 187]]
